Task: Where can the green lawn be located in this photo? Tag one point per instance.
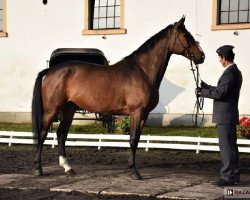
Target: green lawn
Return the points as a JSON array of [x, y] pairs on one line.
[[97, 128], [182, 131]]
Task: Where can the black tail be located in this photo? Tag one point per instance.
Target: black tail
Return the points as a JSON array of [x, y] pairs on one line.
[[37, 105]]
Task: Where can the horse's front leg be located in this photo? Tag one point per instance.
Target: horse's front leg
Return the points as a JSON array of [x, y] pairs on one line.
[[136, 125]]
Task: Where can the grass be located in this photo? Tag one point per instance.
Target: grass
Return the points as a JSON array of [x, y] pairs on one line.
[[181, 131], [97, 128], [15, 127]]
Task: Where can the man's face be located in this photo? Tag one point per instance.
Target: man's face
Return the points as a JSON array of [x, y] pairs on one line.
[[222, 61]]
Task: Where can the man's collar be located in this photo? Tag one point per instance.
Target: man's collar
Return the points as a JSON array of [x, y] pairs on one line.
[[230, 65]]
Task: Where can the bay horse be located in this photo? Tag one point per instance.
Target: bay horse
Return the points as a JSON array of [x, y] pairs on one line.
[[129, 87]]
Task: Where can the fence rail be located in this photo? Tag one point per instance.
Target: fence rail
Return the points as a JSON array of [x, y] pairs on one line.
[[105, 140]]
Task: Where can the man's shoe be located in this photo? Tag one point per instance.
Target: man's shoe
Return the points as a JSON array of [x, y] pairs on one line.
[[223, 182]]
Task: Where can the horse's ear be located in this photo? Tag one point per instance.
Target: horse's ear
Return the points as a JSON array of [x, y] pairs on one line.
[[180, 23]]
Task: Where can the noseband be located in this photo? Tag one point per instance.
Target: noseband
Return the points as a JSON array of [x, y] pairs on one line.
[[186, 49]]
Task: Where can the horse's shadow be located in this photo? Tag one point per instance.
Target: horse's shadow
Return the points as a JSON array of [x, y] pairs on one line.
[[168, 92]]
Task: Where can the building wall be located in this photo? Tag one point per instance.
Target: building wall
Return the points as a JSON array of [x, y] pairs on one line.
[[35, 30]]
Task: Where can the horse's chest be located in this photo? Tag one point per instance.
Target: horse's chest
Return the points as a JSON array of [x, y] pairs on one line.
[[153, 99]]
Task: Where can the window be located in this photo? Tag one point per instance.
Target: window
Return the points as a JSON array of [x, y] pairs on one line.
[[231, 14], [104, 17], [3, 18]]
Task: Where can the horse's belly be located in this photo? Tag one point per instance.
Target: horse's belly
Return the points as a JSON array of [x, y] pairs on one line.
[[100, 102]]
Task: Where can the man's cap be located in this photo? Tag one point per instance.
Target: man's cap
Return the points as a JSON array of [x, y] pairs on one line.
[[226, 50]]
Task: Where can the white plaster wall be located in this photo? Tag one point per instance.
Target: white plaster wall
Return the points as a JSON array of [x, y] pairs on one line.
[[35, 30]]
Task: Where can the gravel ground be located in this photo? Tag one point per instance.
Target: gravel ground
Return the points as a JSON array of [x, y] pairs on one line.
[[19, 160]]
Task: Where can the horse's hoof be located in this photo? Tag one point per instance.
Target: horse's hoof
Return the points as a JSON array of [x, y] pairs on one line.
[[38, 172], [135, 175], [70, 172]]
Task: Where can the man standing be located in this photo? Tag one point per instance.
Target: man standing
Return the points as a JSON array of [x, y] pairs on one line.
[[226, 114]]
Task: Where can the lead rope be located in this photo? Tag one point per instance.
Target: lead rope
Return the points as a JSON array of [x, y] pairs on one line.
[[198, 107]]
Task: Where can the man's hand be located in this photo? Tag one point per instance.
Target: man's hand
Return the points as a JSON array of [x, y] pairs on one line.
[[198, 91], [204, 85]]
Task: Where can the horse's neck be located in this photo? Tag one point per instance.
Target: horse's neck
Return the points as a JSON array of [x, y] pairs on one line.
[[155, 62]]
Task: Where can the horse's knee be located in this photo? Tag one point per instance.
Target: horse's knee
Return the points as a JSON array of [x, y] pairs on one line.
[[43, 136]]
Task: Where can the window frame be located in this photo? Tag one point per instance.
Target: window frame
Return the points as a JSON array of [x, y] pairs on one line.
[[216, 26], [88, 31], [4, 32]]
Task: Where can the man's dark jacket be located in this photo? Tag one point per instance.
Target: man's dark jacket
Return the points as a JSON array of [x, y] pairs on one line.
[[226, 96]]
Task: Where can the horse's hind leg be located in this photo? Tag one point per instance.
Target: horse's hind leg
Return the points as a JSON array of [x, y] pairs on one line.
[[67, 112], [46, 122]]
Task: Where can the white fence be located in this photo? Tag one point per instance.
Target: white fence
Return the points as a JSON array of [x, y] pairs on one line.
[[104, 140]]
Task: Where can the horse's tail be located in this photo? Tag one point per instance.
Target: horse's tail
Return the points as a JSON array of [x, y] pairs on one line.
[[37, 105]]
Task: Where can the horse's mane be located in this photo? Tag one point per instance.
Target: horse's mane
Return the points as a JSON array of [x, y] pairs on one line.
[[149, 44]]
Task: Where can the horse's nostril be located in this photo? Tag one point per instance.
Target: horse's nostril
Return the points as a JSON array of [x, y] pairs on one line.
[[203, 56]]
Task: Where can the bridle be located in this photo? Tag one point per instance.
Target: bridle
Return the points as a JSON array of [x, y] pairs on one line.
[[186, 49], [198, 107]]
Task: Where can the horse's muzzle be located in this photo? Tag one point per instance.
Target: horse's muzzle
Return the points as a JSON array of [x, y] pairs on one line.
[[200, 59]]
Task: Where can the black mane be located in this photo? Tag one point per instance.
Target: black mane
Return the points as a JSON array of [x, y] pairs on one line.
[[149, 44]]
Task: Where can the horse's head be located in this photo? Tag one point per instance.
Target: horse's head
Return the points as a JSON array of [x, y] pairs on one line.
[[185, 44]]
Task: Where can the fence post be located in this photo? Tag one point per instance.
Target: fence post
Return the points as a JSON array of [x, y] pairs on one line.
[[198, 145], [11, 137], [53, 145], [100, 141], [147, 144]]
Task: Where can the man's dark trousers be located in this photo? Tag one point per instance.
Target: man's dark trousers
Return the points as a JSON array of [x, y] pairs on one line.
[[229, 152]]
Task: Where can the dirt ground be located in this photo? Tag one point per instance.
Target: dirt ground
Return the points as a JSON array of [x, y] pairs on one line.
[[19, 160]]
